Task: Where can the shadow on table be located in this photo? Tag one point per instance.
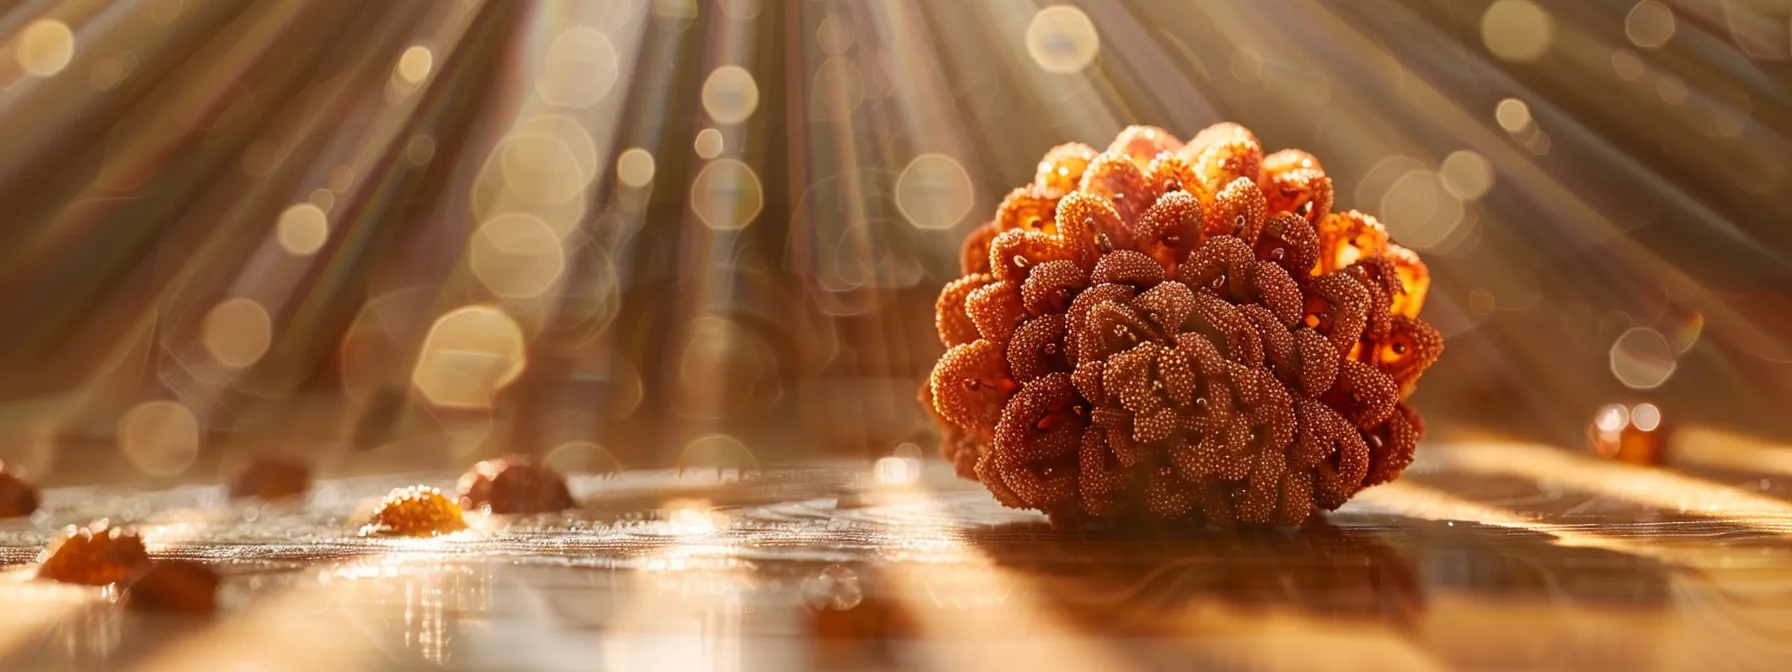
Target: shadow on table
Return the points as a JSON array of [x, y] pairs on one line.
[[1133, 581]]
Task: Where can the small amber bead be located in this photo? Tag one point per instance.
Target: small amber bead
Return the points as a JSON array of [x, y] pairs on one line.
[[95, 555], [174, 586], [18, 497], [1637, 436], [415, 511], [271, 479], [514, 484]]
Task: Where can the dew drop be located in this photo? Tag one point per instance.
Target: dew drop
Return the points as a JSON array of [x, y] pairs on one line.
[[1050, 349], [1238, 221], [1399, 348], [1277, 254], [1019, 261], [973, 384], [1172, 185]]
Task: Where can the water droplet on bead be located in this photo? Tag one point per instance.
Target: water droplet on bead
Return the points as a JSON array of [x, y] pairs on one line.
[[1399, 348], [1102, 242], [1375, 441], [1201, 402], [1277, 254], [1172, 185], [1050, 348], [1238, 221], [972, 384], [1306, 208], [1019, 261], [1218, 280]]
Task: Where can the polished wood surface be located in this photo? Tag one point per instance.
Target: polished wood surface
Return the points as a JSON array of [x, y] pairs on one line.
[[1486, 556]]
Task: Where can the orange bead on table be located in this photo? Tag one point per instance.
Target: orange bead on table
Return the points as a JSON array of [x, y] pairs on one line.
[[415, 511], [95, 555]]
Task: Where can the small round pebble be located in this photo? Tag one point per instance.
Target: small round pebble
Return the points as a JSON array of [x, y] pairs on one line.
[[174, 586], [271, 479], [18, 497], [415, 511], [514, 484], [95, 555]]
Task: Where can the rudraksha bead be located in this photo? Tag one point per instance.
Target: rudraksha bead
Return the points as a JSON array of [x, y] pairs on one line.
[[1180, 331]]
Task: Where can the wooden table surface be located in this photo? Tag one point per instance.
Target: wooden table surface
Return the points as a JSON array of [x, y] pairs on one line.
[[1486, 556]]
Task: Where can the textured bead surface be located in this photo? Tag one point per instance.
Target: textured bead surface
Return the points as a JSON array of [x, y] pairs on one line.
[[1181, 331], [415, 511]]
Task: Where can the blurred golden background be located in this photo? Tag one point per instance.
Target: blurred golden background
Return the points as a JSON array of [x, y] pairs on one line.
[[387, 236]]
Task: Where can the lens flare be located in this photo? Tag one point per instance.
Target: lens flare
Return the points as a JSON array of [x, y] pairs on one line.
[[634, 167], [470, 355], [709, 143], [730, 95], [1642, 358], [237, 332], [516, 255], [1517, 30], [727, 195], [579, 69], [160, 438], [1061, 39], [1650, 24], [414, 65], [934, 192], [44, 48], [303, 229]]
